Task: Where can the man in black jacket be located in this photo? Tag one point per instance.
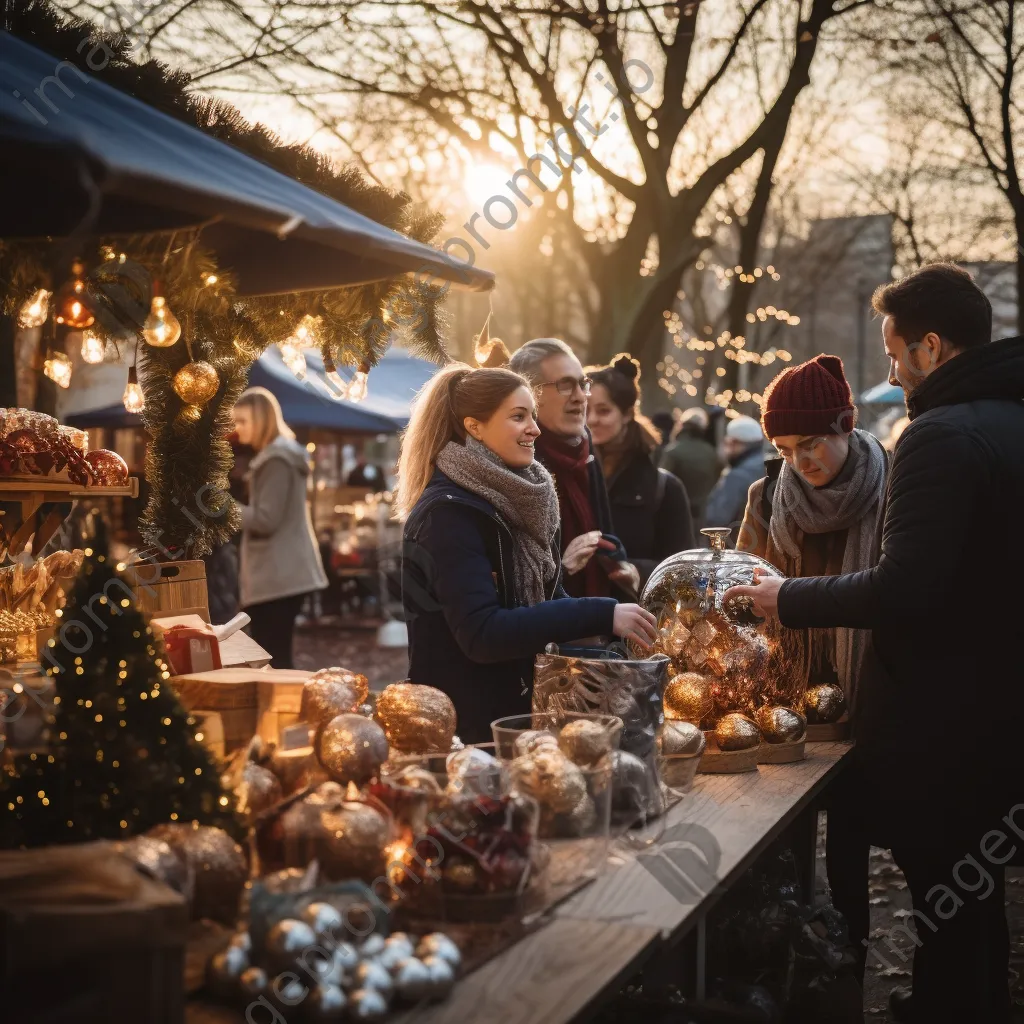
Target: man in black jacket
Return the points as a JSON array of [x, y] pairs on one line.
[[941, 708]]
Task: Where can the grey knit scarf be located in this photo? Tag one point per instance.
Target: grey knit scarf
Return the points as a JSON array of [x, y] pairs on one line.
[[852, 502], [525, 498]]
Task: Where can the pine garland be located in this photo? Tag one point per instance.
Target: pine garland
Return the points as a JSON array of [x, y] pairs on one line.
[[189, 459]]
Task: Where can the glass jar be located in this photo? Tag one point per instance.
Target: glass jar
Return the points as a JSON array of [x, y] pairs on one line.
[[737, 659]]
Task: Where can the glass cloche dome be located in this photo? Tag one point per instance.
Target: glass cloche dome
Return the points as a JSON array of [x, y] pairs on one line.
[[723, 658]]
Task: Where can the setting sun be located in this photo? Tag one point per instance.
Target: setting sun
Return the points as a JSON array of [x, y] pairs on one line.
[[483, 180]]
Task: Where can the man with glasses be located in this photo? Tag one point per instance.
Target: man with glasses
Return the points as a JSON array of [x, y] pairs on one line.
[[593, 565]]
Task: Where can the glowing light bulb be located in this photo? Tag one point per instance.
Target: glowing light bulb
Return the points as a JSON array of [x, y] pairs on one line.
[[34, 311], [133, 399], [337, 383], [93, 347], [293, 357], [57, 367], [358, 389], [161, 329], [71, 307]]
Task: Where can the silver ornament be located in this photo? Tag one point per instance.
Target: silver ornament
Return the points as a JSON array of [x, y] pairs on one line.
[[324, 919], [437, 944], [373, 974], [442, 976], [412, 980], [397, 948], [367, 1004], [346, 957], [373, 945], [243, 940], [287, 993], [473, 772], [286, 941], [252, 983], [325, 1003], [224, 970], [679, 739]]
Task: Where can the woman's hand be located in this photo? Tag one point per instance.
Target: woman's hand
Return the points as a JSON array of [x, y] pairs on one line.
[[631, 622], [580, 551]]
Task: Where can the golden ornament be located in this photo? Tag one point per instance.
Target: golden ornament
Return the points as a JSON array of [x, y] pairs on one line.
[[824, 703], [681, 738], [324, 699], [585, 741], [196, 383], [417, 719], [355, 835], [260, 789], [688, 698], [336, 674], [551, 779], [351, 748], [533, 739], [780, 725], [736, 732]]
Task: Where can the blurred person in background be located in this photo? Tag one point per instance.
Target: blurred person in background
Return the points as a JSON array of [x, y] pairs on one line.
[[280, 557], [664, 423], [692, 458], [896, 432], [650, 508], [743, 448], [564, 448]]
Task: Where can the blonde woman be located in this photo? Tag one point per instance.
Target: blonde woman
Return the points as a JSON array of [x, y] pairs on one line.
[[280, 560], [481, 575]]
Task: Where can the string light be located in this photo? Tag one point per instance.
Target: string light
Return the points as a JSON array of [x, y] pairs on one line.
[[93, 347], [134, 401], [359, 388], [57, 367], [35, 310], [161, 329], [71, 302]]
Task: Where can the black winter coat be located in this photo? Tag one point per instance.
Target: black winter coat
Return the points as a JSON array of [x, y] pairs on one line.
[[649, 530], [941, 713], [467, 634]]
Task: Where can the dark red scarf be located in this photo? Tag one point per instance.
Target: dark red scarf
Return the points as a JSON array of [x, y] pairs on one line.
[[567, 463]]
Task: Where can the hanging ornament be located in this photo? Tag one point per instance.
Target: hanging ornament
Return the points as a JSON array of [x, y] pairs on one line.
[[161, 329], [71, 308], [293, 357], [133, 399], [57, 367], [196, 382], [93, 347], [338, 384], [357, 390], [34, 311]]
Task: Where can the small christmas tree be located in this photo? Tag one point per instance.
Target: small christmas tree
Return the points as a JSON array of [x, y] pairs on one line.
[[123, 755]]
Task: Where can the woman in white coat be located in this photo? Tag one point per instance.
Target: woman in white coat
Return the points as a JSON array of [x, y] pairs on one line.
[[280, 560]]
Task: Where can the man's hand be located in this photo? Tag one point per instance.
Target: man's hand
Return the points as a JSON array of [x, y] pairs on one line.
[[580, 551], [764, 592]]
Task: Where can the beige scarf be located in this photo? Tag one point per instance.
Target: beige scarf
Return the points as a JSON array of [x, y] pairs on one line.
[[524, 498]]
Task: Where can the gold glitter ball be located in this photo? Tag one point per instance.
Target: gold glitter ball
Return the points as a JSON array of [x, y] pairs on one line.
[[196, 383], [736, 732], [336, 674], [417, 719], [551, 779], [585, 741], [355, 835], [533, 739], [351, 749], [324, 699], [824, 703], [780, 725], [260, 789], [688, 698], [681, 738]]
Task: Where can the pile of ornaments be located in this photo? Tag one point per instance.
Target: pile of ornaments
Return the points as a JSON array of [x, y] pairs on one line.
[[579, 778], [304, 966]]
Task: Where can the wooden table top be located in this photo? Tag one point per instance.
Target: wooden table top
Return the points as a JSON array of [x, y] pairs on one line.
[[604, 933]]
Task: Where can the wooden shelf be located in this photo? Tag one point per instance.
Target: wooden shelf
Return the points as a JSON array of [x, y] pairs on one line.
[[19, 490]]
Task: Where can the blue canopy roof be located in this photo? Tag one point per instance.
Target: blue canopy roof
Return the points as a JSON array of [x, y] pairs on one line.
[[393, 384], [80, 156], [883, 394]]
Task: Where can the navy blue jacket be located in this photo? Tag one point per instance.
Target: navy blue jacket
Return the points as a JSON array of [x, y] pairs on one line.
[[467, 634]]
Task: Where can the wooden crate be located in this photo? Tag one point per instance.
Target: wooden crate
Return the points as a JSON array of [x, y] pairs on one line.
[[170, 588]]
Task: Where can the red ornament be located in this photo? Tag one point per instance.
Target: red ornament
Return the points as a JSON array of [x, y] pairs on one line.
[[108, 468], [26, 442]]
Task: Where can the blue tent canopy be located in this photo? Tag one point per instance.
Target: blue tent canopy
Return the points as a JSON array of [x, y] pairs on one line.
[[80, 156], [393, 384], [883, 394]]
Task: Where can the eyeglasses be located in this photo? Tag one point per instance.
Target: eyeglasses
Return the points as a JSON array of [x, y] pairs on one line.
[[808, 447], [567, 385]]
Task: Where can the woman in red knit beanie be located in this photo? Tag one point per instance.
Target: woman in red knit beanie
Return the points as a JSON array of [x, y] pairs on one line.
[[823, 519]]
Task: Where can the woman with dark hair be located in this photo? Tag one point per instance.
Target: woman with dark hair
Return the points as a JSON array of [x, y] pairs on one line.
[[650, 508], [481, 575]]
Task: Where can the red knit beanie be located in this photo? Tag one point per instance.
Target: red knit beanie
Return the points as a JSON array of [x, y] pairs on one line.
[[812, 398]]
